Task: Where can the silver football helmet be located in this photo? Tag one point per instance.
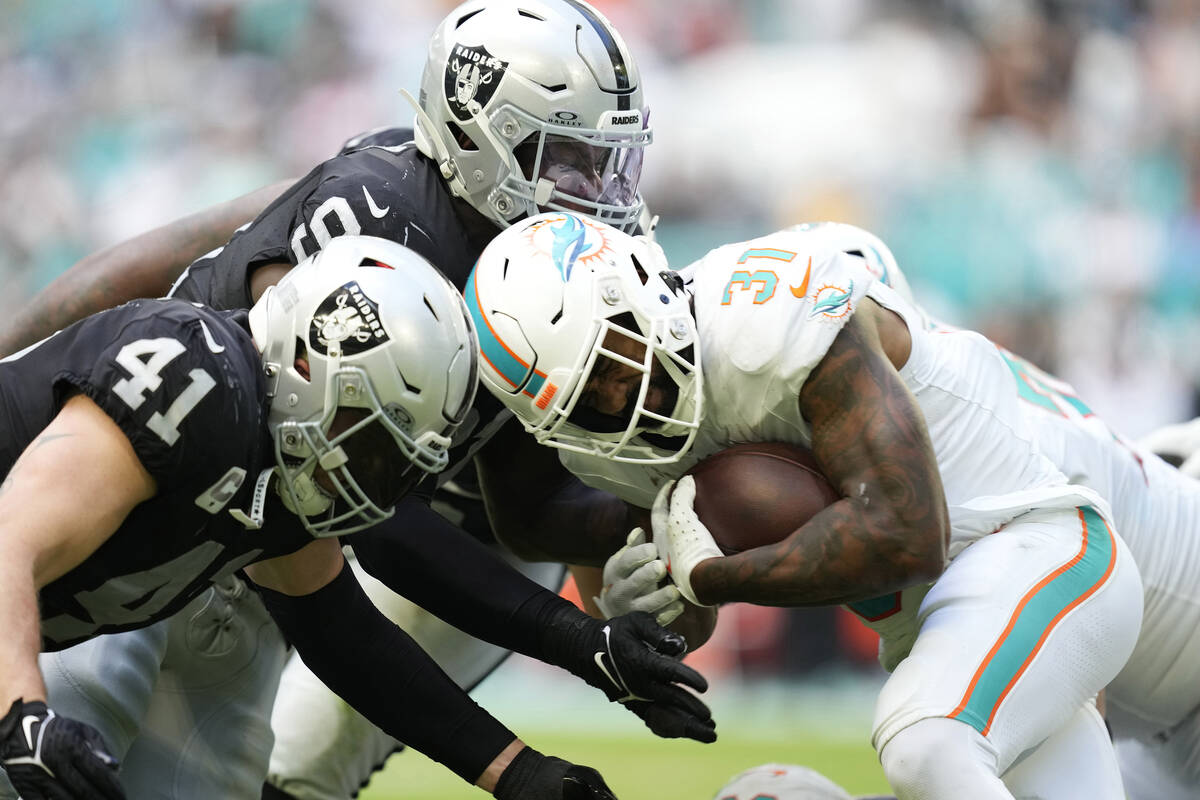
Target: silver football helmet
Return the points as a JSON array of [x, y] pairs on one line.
[[559, 299], [370, 359], [534, 105]]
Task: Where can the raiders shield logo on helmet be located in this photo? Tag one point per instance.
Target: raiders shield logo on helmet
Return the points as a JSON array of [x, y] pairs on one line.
[[346, 321], [472, 74]]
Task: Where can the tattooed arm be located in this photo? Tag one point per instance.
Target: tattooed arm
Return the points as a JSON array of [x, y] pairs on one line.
[[144, 266], [891, 527], [540, 511]]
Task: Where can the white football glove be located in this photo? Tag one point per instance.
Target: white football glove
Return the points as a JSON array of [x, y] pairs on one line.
[[682, 540], [631, 578]]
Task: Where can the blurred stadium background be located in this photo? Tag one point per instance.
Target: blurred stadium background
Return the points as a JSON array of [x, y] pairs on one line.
[[1034, 164]]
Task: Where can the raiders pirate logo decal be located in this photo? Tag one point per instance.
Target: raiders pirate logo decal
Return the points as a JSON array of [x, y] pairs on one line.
[[347, 321], [472, 74]]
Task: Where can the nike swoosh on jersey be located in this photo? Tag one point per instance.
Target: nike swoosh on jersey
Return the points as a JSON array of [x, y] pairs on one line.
[[376, 211], [209, 340], [802, 289]]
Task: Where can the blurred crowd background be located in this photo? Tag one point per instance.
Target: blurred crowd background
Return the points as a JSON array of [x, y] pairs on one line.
[[1034, 164]]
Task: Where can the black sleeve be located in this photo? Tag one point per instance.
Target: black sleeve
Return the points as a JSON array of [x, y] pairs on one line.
[[419, 554], [379, 670], [377, 137]]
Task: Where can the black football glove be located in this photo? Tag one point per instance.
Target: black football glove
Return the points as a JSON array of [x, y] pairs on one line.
[[634, 661], [48, 757], [533, 776]]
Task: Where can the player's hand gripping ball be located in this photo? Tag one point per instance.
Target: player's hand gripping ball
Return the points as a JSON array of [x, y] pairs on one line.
[[746, 496]]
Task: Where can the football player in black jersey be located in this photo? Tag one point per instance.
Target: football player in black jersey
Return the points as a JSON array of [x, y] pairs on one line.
[[200, 442], [523, 107]]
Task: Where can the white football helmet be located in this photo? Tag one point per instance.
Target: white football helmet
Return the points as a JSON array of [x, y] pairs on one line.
[[534, 105], [544, 295], [368, 325], [781, 782]]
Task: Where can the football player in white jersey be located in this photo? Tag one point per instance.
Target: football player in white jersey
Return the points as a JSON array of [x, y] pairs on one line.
[[1035, 602], [1153, 705]]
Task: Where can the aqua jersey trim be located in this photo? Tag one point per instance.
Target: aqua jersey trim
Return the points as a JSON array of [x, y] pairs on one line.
[[1038, 612]]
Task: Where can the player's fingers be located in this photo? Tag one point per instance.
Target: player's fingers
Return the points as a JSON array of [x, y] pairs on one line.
[[685, 492], [640, 555], [669, 613], [661, 504], [657, 601], [91, 778], [636, 536], [672, 695], [678, 672], [673, 723], [649, 572], [660, 640], [584, 783], [55, 789], [684, 702]]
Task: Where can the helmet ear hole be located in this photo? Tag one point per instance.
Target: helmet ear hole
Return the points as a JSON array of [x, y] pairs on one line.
[[302, 359], [460, 136], [641, 271], [526, 155]]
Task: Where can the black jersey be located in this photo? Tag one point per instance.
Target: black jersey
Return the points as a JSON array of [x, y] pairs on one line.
[[185, 385], [391, 192]]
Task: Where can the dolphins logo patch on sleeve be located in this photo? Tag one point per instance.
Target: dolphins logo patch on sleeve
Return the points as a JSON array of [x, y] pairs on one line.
[[832, 302]]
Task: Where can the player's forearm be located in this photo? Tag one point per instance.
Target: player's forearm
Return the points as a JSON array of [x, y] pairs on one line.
[[576, 525], [19, 647], [540, 511], [420, 555], [384, 675], [891, 526], [144, 266], [844, 554]]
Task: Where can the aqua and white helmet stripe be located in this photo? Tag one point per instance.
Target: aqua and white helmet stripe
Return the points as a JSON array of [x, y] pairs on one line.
[[379, 331], [544, 295], [534, 103]]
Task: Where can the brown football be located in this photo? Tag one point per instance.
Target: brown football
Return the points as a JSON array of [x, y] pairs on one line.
[[756, 494]]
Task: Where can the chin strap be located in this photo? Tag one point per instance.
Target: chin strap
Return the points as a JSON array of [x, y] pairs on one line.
[[253, 519], [429, 143]]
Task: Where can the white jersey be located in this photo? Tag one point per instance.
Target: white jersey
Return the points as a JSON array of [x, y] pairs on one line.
[[1157, 512], [767, 311]]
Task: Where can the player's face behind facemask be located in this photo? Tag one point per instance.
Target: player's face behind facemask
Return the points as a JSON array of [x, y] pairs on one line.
[[532, 106], [370, 362], [587, 335]]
